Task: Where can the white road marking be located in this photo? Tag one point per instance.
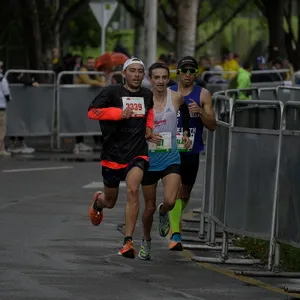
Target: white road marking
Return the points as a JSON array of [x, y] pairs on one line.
[[37, 169], [99, 184]]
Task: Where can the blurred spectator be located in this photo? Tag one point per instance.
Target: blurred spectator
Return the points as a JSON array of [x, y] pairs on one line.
[[117, 78], [4, 97], [243, 79], [68, 65], [17, 144], [290, 74], [77, 65], [297, 77], [146, 83], [108, 71], [172, 66], [212, 62], [217, 77], [163, 58], [78, 62], [57, 64], [119, 47], [261, 65], [230, 64], [171, 56], [204, 65], [93, 81], [237, 58], [277, 64]]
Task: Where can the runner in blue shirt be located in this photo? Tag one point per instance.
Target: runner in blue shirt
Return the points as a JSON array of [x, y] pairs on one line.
[[202, 114]]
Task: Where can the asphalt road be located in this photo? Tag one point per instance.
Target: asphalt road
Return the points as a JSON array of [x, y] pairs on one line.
[[49, 249]]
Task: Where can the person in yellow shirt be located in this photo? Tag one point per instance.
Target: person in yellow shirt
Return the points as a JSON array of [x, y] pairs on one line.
[[230, 64], [172, 68], [290, 74], [92, 80]]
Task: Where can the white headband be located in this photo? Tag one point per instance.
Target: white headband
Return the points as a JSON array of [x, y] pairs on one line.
[[131, 61]]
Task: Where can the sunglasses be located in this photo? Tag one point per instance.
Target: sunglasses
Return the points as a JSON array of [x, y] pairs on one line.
[[188, 70]]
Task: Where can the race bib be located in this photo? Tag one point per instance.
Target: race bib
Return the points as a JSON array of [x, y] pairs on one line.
[[164, 146], [136, 104], [180, 142]]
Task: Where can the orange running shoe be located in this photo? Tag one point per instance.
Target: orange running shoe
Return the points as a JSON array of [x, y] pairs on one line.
[[128, 250], [96, 216], [175, 242]]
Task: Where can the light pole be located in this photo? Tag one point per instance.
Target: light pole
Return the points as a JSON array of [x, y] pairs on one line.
[[151, 8]]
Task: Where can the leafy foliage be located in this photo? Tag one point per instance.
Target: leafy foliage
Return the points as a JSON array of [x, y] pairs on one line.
[[83, 31]]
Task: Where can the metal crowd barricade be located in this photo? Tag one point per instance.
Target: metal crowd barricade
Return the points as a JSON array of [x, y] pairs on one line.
[[252, 178], [272, 71], [232, 93], [267, 93], [267, 84], [213, 156], [219, 164], [290, 94], [216, 165], [286, 209], [204, 212], [258, 116], [240, 197], [72, 106], [216, 87], [289, 188], [32, 109], [252, 91], [251, 185], [221, 93], [222, 73], [222, 106]]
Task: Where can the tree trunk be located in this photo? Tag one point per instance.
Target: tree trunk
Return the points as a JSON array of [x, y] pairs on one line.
[[139, 33], [57, 43], [274, 11], [36, 55], [296, 61], [187, 26]]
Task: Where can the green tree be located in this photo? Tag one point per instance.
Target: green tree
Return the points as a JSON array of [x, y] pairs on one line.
[[82, 31], [207, 10], [38, 25], [284, 38]]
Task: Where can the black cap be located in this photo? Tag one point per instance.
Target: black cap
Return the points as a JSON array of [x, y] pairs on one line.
[[187, 60]]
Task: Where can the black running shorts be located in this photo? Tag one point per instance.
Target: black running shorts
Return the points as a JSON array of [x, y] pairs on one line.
[[113, 177], [152, 177], [189, 168]]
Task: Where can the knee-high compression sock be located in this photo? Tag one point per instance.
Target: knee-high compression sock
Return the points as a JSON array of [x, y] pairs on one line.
[[184, 204], [175, 215]]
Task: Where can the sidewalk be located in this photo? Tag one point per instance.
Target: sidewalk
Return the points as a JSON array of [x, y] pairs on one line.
[[196, 249]]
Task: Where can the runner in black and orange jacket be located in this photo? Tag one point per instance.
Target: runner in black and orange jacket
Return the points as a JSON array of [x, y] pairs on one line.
[[125, 114]]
